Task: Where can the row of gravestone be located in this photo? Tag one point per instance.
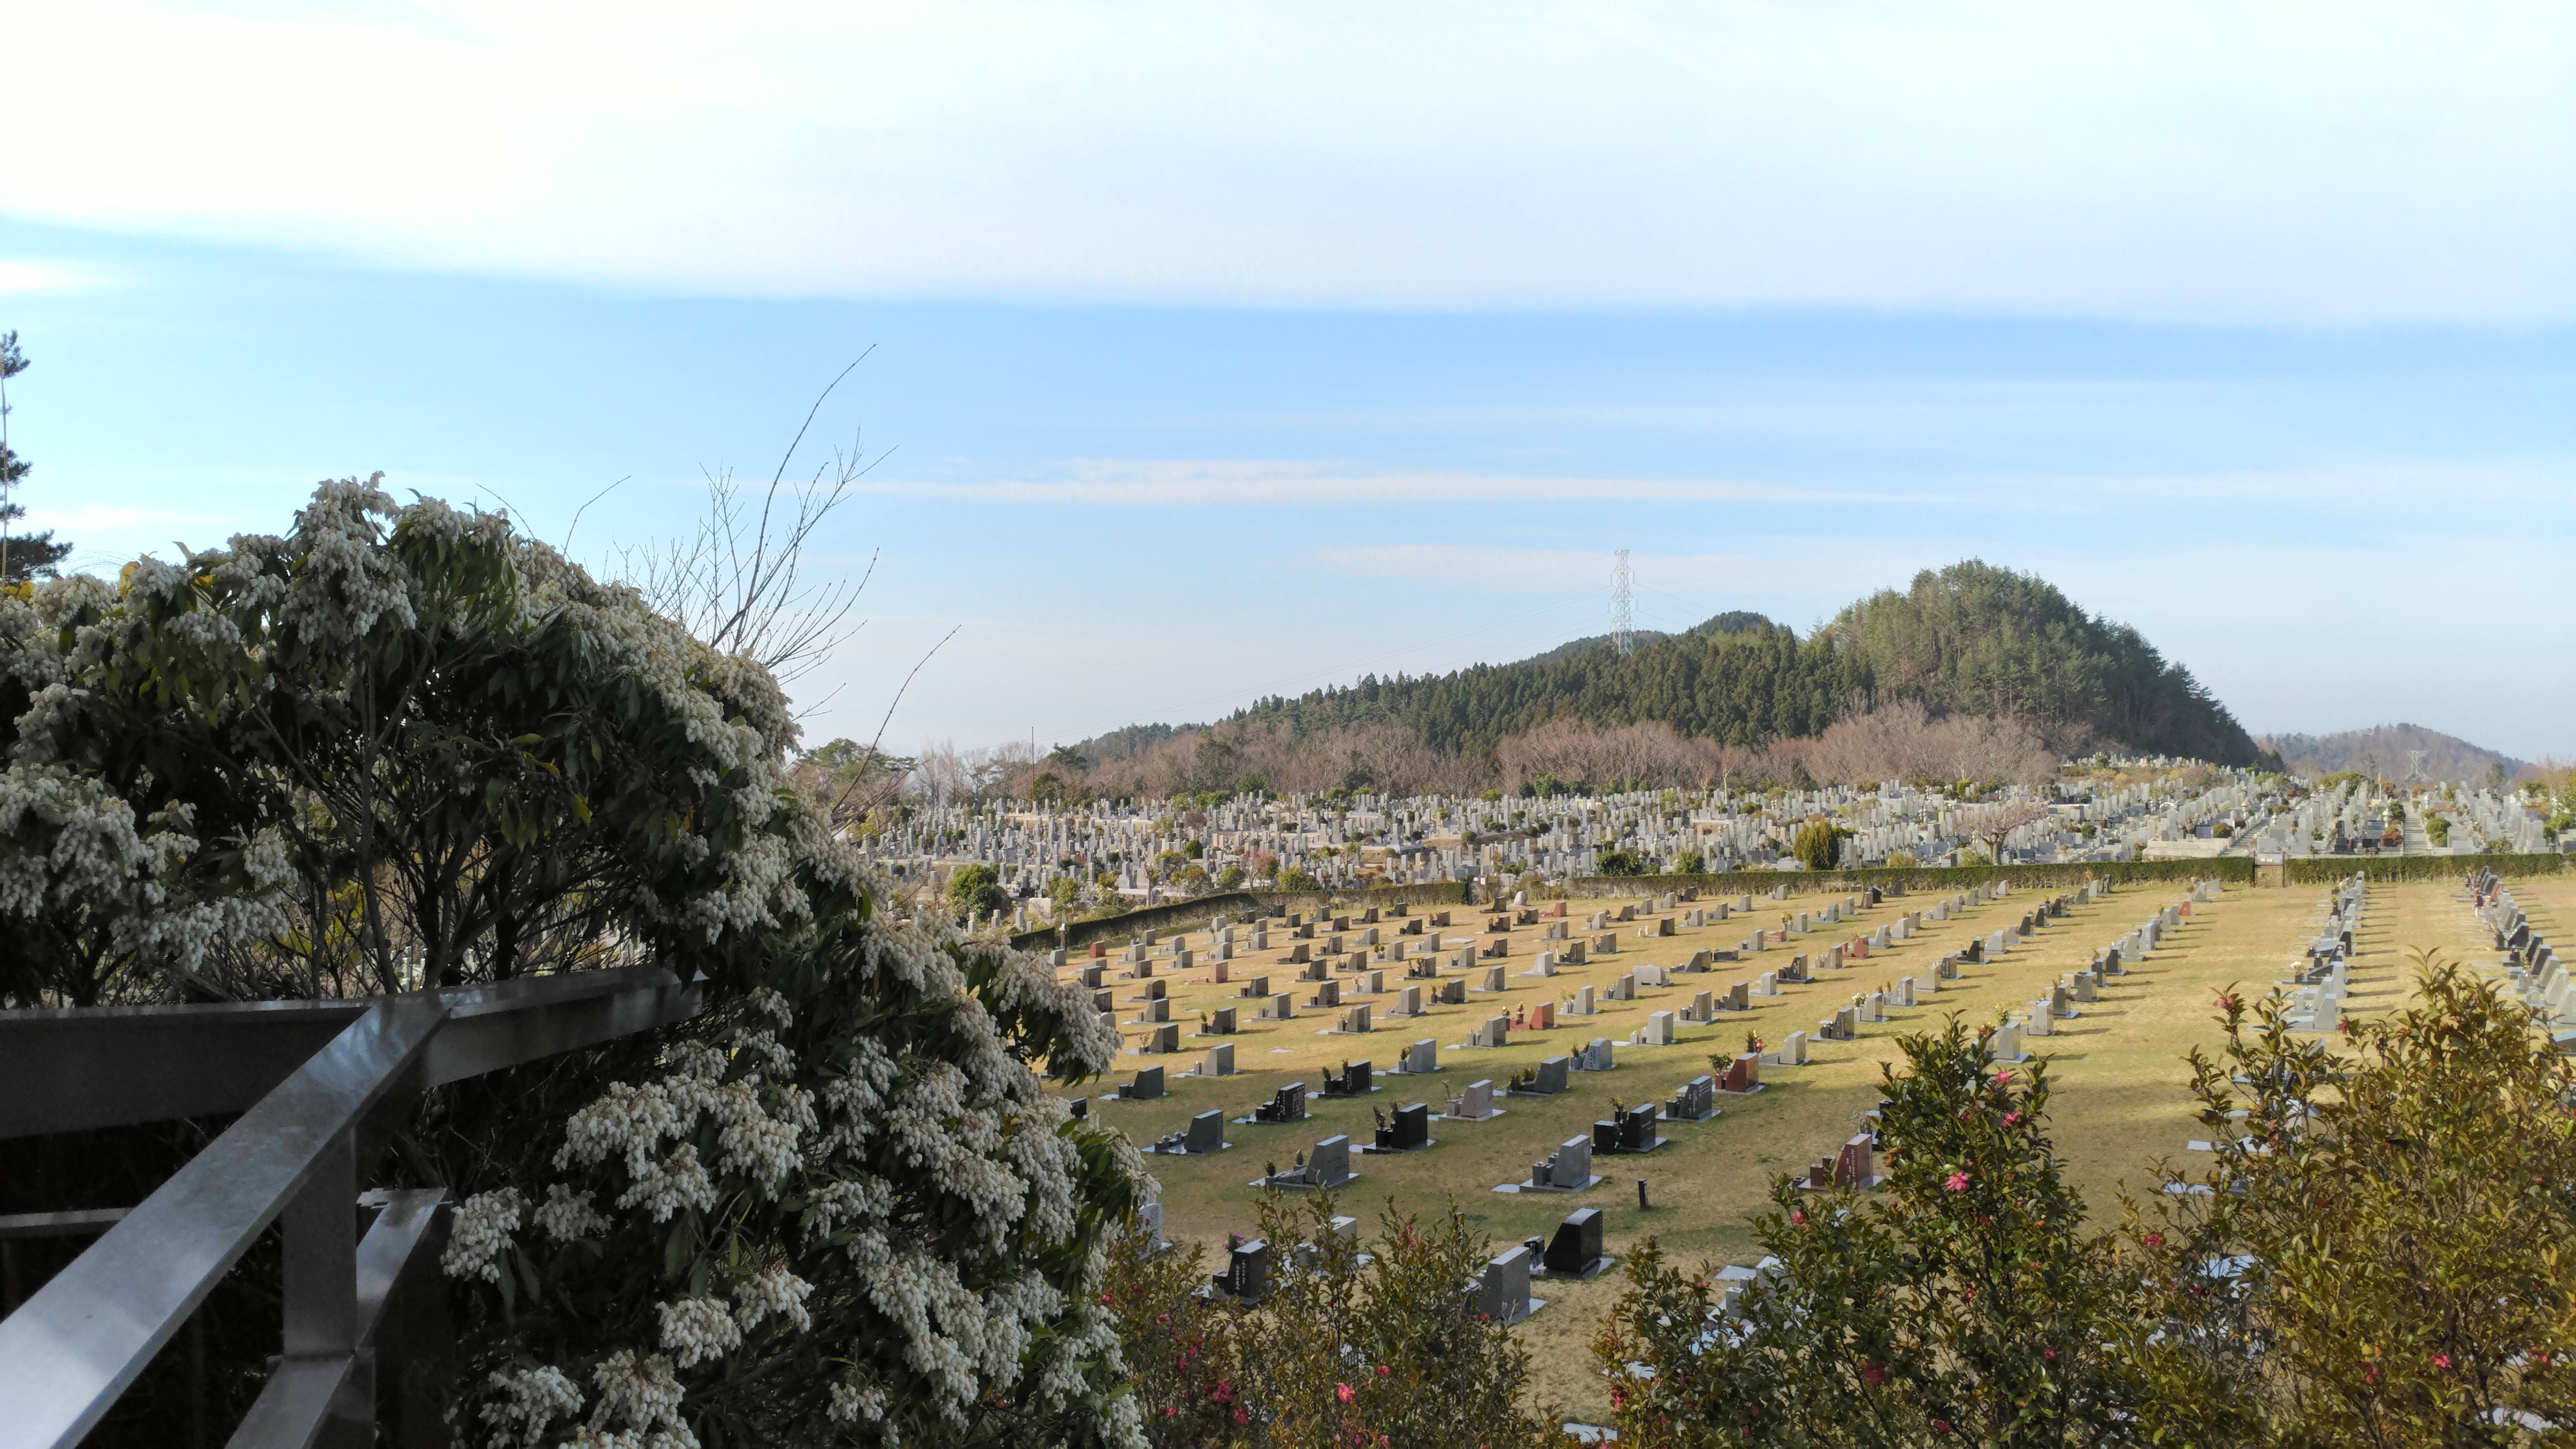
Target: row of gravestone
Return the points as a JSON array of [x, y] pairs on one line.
[[1501, 1289]]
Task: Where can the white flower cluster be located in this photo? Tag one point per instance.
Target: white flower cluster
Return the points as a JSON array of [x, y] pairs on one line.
[[758, 1129], [481, 1230], [530, 1400], [639, 1405], [568, 1216], [775, 1292], [699, 1329]]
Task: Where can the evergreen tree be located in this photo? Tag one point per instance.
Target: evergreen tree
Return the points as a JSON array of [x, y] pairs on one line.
[[22, 556]]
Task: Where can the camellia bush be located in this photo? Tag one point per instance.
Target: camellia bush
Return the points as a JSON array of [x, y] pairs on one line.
[[1359, 1344], [2380, 1252], [2378, 1257], [407, 746], [1948, 1306]]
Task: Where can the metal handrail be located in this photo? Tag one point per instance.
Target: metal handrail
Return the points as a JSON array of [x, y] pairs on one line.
[[80, 1340]]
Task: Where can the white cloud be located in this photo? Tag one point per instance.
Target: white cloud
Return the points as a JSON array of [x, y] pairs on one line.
[[23, 278], [2236, 162]]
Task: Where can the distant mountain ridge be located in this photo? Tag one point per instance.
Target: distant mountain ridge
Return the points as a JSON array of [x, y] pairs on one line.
[[1970, 639], [2384, 750]]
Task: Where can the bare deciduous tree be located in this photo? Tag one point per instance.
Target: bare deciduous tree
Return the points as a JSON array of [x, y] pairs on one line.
[[741, 583]]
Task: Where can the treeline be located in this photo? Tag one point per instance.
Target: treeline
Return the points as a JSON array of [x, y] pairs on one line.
[[1972, 673], [1971, 639]]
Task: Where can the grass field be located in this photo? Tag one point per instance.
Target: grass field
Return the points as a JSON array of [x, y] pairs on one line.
[[2121, 1105]]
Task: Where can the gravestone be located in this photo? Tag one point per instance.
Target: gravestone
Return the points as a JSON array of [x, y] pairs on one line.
[[1695, 1102], [1503, 1295], [1629, 1131], [1220, 1022], [1542, 1016], [1493, 979], [1329, 1165], [1567, 1169], [1767, 984], [1207, 1133], [1356, 1019], [2006, 1044], [1258, 986], [1288, 1104], [1353, 1082], [1658, 1030], [1247, 1272], [1410, 1131], [1544, 965], [1452, 992], [1476, 1104], [1582, 1002], [1624, 989], [1574, 1249], [1743, 1074], [1421, 1059], [1703, 1008], [1595, 1057], [1551, 1077], [1409, 1002], [1495, 1032], [1219, 1061], [1328, 995], [1147, 1086], [1904, 991]]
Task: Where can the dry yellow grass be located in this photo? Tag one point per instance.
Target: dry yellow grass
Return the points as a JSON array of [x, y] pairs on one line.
[[2121, 1104]]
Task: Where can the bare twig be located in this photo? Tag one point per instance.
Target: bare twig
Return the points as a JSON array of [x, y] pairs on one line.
[[738, 583], [874, 752]]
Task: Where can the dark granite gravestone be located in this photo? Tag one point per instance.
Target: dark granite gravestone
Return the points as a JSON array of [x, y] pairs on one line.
[[1574, 1250]]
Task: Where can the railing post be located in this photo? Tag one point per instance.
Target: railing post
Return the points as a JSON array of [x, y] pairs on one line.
[[321, 1288]]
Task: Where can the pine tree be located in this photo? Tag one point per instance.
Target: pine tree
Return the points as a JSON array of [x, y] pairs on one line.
[[22, 556]]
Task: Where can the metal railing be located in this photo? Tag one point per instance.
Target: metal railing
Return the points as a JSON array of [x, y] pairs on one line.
[[317, 1085]]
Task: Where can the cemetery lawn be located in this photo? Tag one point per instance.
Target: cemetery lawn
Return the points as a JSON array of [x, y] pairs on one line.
[[2121, 1101]]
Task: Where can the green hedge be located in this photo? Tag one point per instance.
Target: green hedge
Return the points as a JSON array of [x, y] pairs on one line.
[[1201, 910], [2234, 869], [2326, 869]]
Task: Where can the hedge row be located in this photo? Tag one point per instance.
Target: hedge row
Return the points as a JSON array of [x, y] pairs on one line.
[[2235, 869], [2325, 869]]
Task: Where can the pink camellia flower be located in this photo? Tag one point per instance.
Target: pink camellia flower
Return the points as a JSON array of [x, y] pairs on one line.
[[1797, 1219], [1871, 1374], [1940, 1426], [2003, 1079], [1957, 1182], [2441, 1360], [1342, 1392], [2155, 1240], [2011, 1117]]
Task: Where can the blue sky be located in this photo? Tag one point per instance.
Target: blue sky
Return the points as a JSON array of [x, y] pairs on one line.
[[1222, 352]]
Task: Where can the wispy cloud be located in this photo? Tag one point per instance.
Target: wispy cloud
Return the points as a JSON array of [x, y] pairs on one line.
[[24, 278], [1291, 483]]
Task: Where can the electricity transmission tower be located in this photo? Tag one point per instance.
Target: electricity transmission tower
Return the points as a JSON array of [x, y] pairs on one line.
[[1623, 608], [2415, 766]]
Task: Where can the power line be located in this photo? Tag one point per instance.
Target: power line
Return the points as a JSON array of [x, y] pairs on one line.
[[1623, 607]]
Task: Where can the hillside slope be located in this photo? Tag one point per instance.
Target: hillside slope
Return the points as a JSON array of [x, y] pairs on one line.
[[2382, 750], [1970, 639]]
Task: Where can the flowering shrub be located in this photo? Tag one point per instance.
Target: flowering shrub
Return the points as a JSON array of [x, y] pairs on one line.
[[2390, 1215], [405, 746], [1956, 1303], [1358, 1344]]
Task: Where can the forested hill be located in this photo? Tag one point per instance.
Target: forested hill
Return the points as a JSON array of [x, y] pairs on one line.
[[1971, 638]]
